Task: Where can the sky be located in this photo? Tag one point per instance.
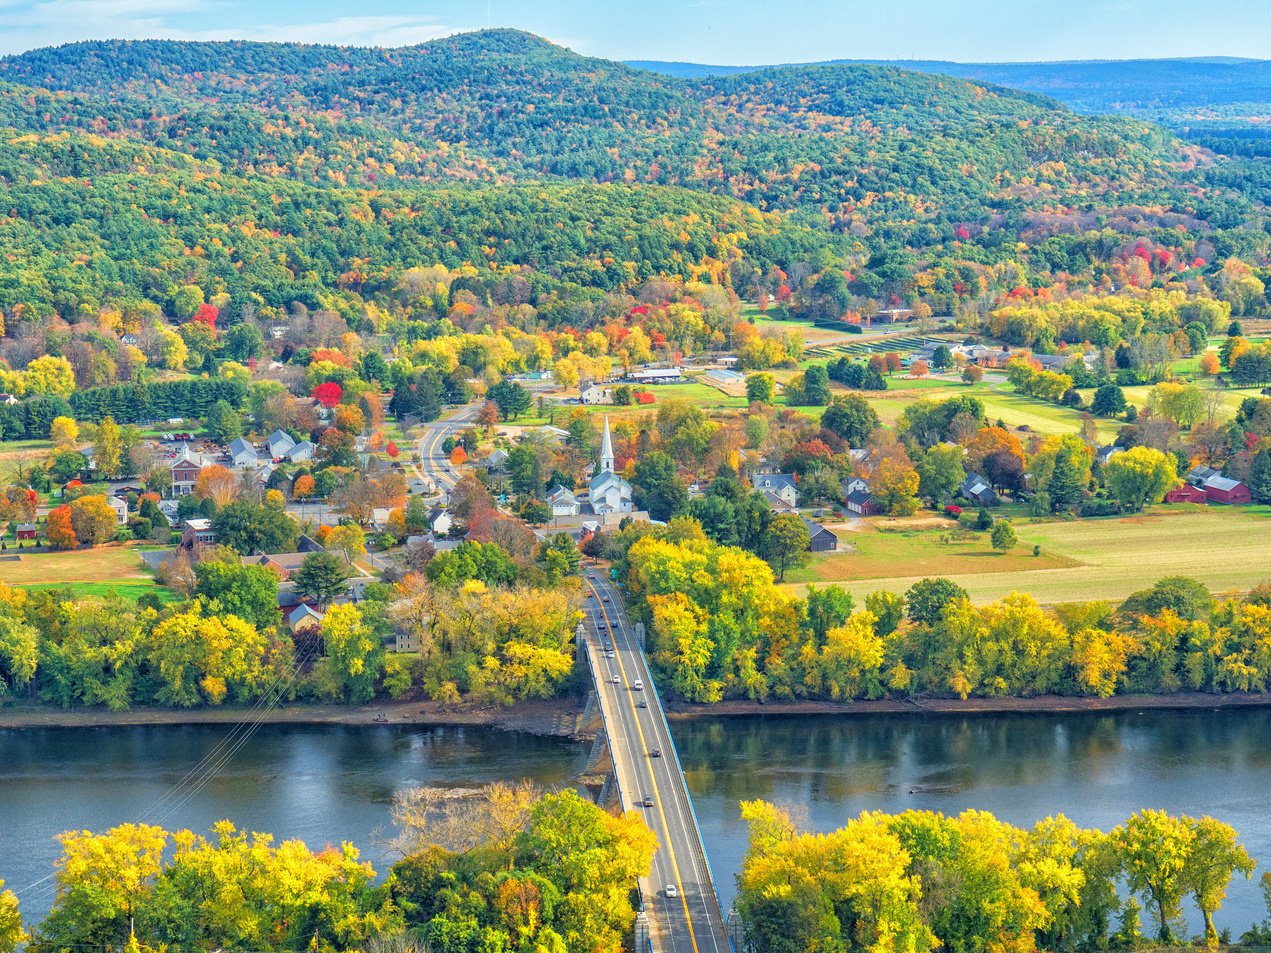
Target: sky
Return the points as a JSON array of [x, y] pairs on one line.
[[735, 32]]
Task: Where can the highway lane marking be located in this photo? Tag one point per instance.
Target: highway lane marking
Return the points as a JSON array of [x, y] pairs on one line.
[[670, 847]]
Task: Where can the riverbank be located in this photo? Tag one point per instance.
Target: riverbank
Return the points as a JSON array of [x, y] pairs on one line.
[[554, 718], [1041, 704]]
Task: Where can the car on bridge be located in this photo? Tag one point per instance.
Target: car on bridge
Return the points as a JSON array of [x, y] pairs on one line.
[[642, 704], [639, 684], [648, 801], [672, 891], [655, 753], [616, 680]]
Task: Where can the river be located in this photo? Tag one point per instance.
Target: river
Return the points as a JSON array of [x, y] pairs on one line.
[[326, 783]]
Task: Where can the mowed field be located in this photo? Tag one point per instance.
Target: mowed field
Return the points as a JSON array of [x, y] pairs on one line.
[[88, 571], [1227, 549]]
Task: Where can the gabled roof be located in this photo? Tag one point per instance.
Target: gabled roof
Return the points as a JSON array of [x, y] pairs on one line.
[[860, 497], [239, 445], [302, 612], [816, 529], [280, 442], [1220, 482], [303, 447], [775, 481], [559, 493], [187, 457]]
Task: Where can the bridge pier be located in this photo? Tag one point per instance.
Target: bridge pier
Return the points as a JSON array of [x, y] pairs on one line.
[[736, 934], [641, 940]]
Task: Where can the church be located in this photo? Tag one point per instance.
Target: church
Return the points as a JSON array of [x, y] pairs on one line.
[[607, 492]]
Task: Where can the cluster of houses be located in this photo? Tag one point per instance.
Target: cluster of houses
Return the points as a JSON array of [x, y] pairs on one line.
[[984, 356], [1206, 485], [600, 393], [242, 455], [607, 492]]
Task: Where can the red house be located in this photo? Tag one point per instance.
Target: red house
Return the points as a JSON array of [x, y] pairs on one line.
[[1220, 489], [1187, 493], [27, 531]]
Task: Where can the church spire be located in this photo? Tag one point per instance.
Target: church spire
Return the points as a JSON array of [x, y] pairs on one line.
[[606, 450]]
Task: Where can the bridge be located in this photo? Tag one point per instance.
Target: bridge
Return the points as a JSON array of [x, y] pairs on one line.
[[686, 918]]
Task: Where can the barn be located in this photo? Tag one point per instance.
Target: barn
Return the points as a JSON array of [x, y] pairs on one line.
[[1187, 493]]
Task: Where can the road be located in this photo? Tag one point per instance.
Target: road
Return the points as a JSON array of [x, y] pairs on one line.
[[434, 463], [690, 922]]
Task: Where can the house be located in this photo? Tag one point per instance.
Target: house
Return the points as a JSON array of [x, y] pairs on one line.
[[242, 454], [1104, 454], [185, 469], [821, 540], [608, 492], [971, 353], [284, 564], [860, 503], [304, 617], [379, 518], [552, 434], [8, 399], [171, 509], [440, 521], [280, 443], [1220, 489], [781, 485], [27, 531], [852, 484], [1200, 473], [563, 501], [497, 460], [1052, 362], [1187, 493], [120, 507], [596, 394], [301, 452], [197, 533], [978, 490], [776, 503]]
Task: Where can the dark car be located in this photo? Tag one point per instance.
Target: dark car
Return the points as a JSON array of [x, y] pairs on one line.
[[642, 704], [655, 753]]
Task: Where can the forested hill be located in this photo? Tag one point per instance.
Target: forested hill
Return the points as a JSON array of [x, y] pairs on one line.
[[314, 173], [852, 144]]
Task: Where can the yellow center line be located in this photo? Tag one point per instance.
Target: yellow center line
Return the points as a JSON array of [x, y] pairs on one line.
[[653, 776]]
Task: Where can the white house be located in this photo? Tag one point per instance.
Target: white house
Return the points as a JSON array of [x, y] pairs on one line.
[[563, 501], [301, 452], [596, 394], [120, 507], [280, 443], [608, 492], [242, 454], [440, 521], [780, 485]]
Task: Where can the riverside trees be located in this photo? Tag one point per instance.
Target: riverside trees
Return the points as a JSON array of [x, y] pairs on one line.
[[922, 881]]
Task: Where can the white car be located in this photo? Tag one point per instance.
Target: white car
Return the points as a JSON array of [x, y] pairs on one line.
[[616, 680], [671, 891], [639, 685]]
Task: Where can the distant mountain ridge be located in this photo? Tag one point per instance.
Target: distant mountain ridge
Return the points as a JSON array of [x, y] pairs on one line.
[[1138, 87]]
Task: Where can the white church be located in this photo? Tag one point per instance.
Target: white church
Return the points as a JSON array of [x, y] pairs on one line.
[[606, 493]]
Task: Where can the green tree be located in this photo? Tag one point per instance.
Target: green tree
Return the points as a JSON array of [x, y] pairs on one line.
[[224, 422], [11, 931], [788, 545], [1260, 476], [851, 417], [66, 465], [941, 357], [108, 449], [322, 576], [760, 388], [1003, 536], [1108, 401], [657, 487], [1216, 855], [1153, 848], [826, 608], [512, 399], [928, 598], [249, 592], [940, 472], [1139, 476], [353, 652], [249, 527], [1068, 479]]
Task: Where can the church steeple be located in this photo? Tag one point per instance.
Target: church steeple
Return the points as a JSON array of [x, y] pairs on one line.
[[606, 450]]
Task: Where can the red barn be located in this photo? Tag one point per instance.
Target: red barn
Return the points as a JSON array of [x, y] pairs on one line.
[[1220, 489], [1187, 493]]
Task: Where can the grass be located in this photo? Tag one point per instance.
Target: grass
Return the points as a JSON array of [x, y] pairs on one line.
[[1226, 548], [16, 449], [95, 571], [703, 395]]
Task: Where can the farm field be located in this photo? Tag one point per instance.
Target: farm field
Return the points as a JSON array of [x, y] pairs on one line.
[[1081, 559], [88, 571]]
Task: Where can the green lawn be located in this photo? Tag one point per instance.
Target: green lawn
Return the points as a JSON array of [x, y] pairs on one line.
[[1226, 548], [703, 395], [95, 571]]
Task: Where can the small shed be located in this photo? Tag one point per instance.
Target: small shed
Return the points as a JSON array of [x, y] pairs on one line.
[[1187, 493]]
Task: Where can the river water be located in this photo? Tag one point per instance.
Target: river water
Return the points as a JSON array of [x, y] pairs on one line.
[[324, 784]]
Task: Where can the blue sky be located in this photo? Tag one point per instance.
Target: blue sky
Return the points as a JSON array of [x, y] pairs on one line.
[[704, 31]]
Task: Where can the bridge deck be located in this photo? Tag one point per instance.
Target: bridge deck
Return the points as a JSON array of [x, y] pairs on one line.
[[690, 922]]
